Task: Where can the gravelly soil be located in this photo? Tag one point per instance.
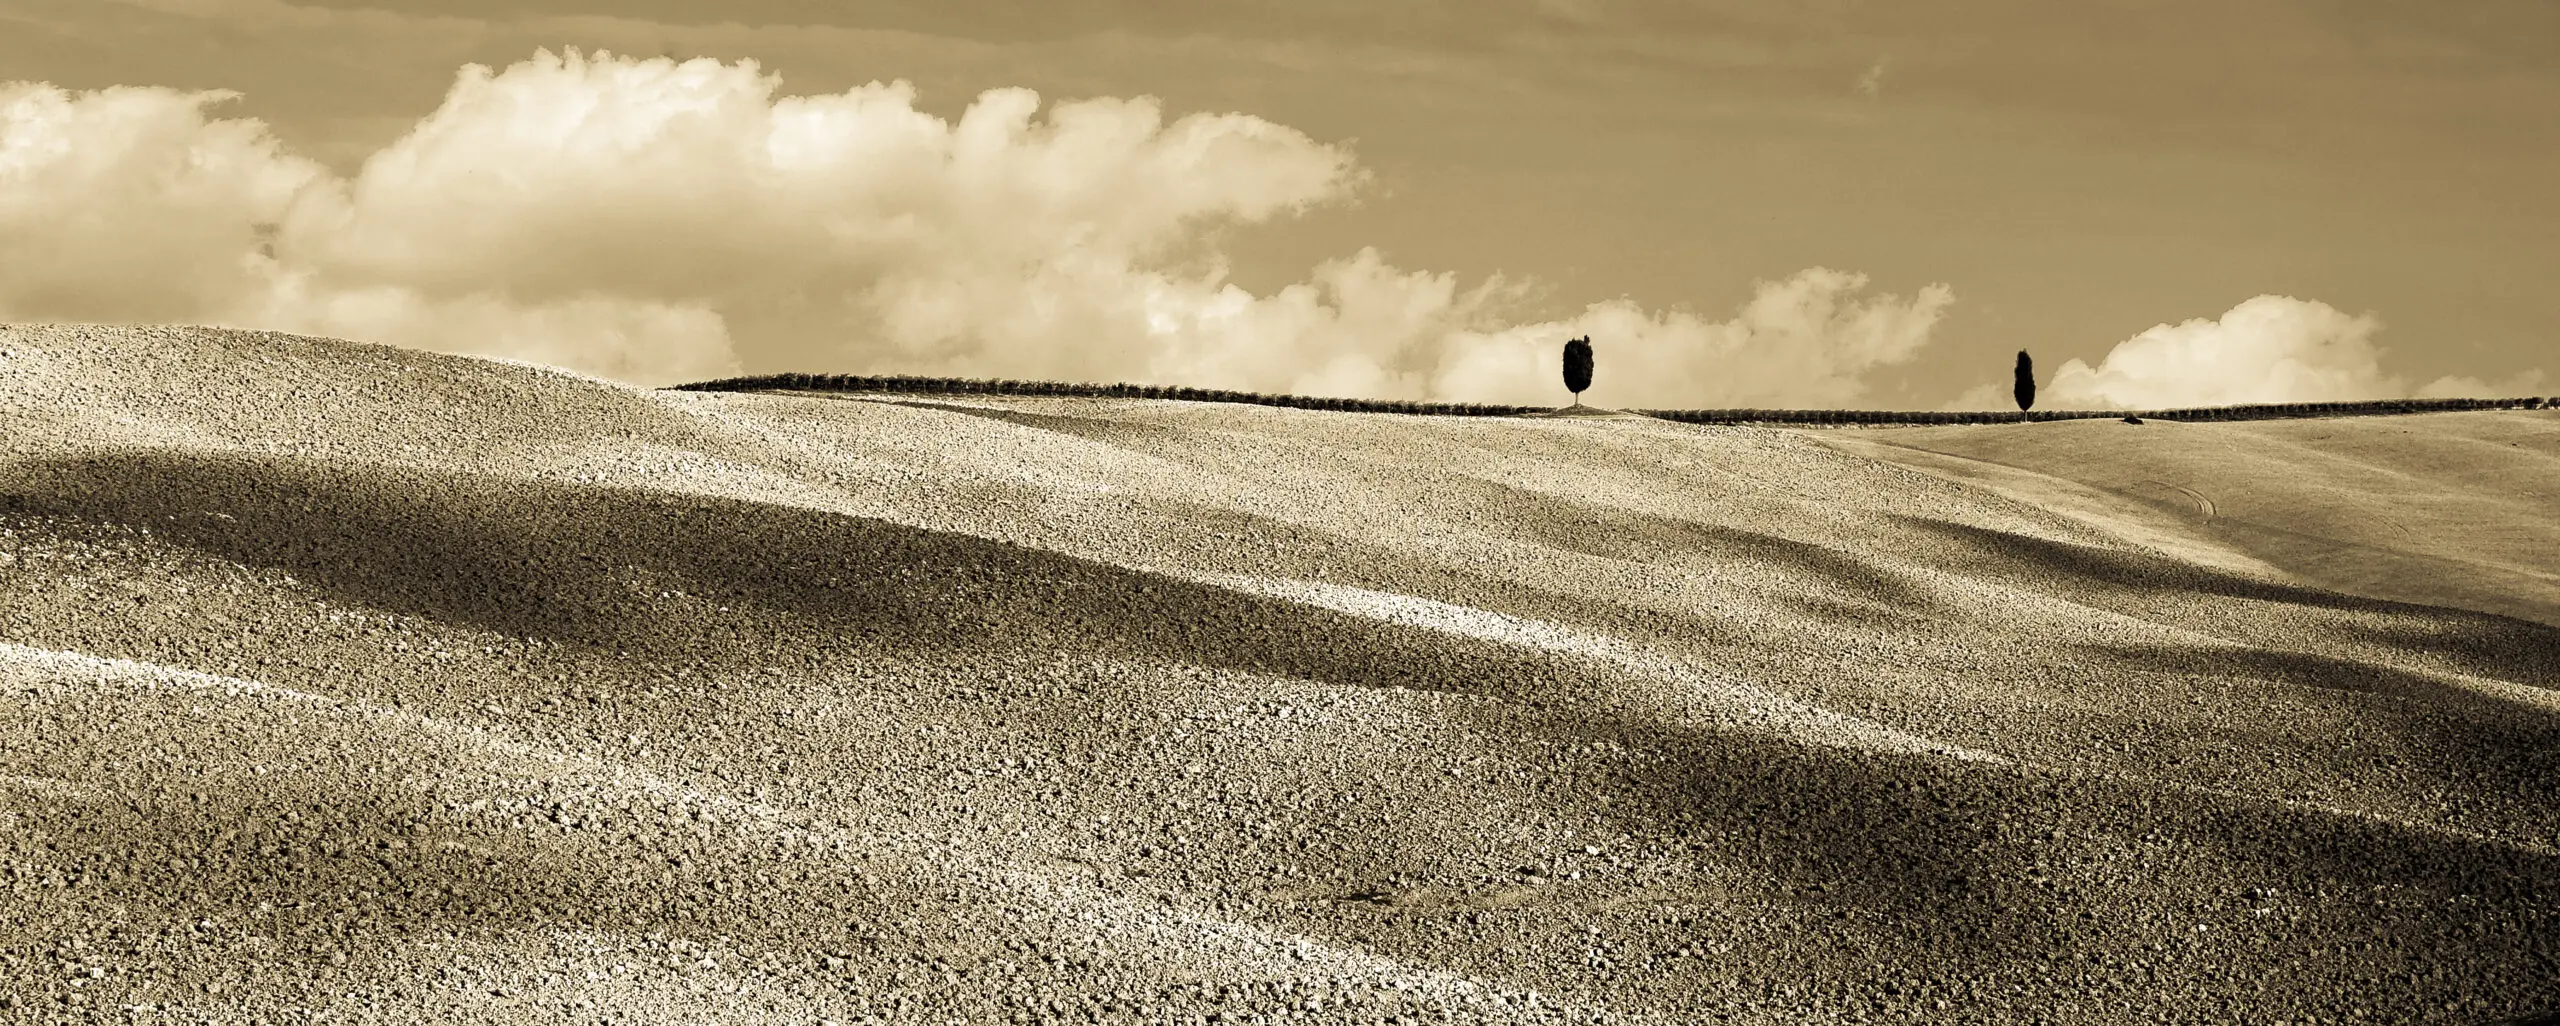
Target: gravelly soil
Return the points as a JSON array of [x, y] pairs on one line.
[[345, 683]]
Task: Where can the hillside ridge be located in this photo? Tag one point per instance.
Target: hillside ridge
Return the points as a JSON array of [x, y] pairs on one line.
[[398, 686]]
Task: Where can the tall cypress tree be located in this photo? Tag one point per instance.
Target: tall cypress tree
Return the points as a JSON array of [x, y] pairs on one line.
[[1577, 367], [2025, 389]]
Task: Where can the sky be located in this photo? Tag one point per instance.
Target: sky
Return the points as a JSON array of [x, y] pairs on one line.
[[1827, 203]]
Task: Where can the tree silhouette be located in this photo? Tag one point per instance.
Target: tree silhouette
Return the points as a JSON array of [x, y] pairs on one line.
[[1577, 367], [2025, 389]]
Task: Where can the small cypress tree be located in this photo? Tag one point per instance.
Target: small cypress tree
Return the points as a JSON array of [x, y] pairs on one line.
[[2025, 389], [1577, 367]]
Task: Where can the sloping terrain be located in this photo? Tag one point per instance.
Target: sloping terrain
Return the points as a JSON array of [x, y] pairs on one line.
[[2456, 509], [361, 684]]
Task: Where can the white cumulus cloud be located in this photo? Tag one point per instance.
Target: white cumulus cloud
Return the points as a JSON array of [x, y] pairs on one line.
[[1806, 340], [133, 203], [2270, 349], [657, 220]]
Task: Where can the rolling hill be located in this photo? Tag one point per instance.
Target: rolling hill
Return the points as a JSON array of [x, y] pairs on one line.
[[352, 683]]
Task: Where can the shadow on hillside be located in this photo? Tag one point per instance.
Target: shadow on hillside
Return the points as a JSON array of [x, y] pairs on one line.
[[1614, 532], [2486, 644], [1864, 590], [1096, 429], [2006, 871], [2459, 739], [597, 567], [2400, 574]]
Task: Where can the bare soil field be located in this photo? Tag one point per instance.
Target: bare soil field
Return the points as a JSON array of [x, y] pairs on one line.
[[343, 683]]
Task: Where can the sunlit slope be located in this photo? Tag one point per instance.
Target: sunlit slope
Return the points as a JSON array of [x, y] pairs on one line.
[[2456, 509], [412, 686]]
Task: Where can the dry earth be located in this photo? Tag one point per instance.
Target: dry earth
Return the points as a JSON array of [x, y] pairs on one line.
[[347, 683]]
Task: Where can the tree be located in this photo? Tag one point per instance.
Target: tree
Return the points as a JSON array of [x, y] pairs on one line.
[[1577, 367], [2025, 389]]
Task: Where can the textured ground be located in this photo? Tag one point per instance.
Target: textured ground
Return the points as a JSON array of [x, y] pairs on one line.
[[344, 683], [2442, 510]]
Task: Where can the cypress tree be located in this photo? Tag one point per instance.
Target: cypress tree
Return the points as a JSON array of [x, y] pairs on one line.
[[2025, 389], [1577, 367]]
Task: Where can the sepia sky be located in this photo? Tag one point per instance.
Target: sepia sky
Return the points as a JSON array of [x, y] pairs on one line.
[[1743, 203]]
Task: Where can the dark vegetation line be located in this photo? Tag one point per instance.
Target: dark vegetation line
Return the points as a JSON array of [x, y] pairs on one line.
[[968, 386], [2259, 411]]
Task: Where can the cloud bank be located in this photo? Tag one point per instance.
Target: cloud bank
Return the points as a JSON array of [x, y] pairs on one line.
[[656, 221], [130, 204], [2270, 349]]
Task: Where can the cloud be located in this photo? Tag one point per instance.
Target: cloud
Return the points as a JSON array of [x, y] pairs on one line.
[[2522, 383], [656, 220], [1871, 84], [135, 204], [2270, 349], [132, 203], [1808, 339], [565, 173], [614, 337]]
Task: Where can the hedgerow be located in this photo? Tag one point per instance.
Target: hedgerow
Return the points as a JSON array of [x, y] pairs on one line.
[[913, 385]]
